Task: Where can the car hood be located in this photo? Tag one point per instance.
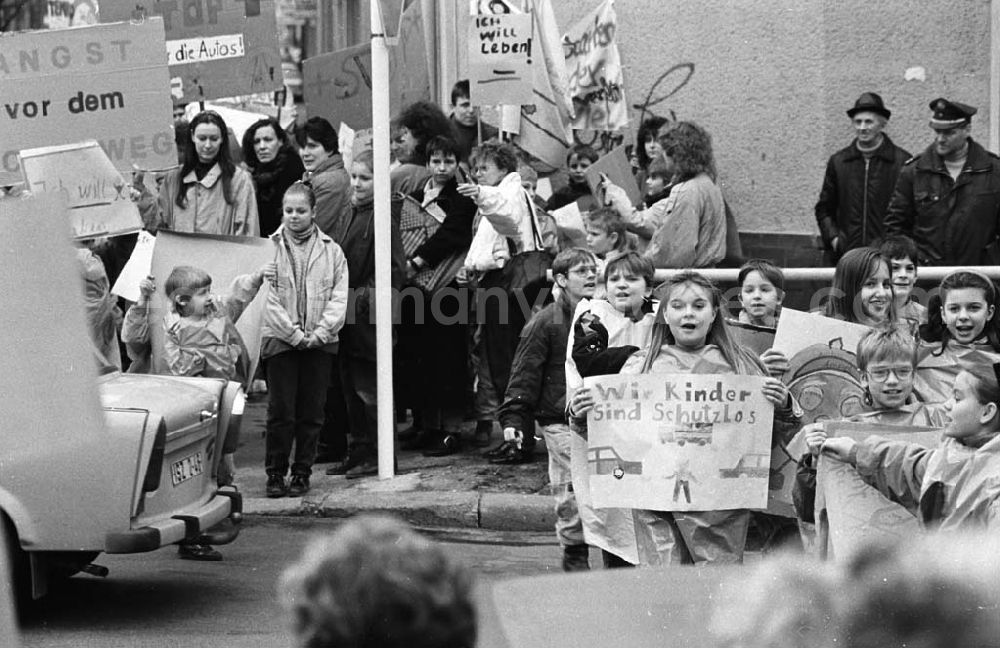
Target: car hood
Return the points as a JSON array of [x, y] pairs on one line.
[[178, 400]]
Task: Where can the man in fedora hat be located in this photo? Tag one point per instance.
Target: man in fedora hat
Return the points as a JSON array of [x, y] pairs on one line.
[[947, 198], [859, 181]]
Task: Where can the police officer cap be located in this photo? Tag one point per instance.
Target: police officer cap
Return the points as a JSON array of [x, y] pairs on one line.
[[950, 114], [869, 102]]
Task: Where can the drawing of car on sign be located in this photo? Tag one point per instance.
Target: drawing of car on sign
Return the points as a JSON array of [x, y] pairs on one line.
[[699, 433], [751, 465], [607, 461]]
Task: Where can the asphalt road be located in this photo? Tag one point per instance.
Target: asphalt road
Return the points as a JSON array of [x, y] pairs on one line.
[[156, 599]]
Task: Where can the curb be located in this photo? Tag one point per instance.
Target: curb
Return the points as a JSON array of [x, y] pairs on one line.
[[470, 509]]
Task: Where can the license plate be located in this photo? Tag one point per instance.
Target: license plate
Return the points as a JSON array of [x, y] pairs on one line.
[[186, 468]]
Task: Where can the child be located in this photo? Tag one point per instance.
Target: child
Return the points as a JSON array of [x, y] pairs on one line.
[[623, 318], [954, 485], [606, 237], [887, 360], [358, 369], [962, 327], [901, 252], [103, 314], [690, 336], [547, 227], [305, 310], [537, 392], [762, 288], [658, 183], [578, 160], [862, 289]]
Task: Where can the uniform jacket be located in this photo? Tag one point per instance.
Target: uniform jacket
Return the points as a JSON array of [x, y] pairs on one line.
[[955, 486], [951, 221], [692, 232], [207, 211], [856, 193], [937, 370], [504, 212], [331, 185], [326, 292], [537, 387], [358, 337]]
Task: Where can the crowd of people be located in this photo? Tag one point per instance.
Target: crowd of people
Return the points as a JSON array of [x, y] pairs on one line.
[[481, 333]]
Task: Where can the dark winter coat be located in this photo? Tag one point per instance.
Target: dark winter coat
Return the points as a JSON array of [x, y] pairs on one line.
[[856, 193], [270, 181], [455, 233], [951, 221], [537, 387]]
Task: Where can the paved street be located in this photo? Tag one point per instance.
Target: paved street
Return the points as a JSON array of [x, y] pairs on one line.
[[153, 600]]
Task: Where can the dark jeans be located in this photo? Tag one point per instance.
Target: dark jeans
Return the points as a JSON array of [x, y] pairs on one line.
[[297, 382], [333, 435], [359, 378]]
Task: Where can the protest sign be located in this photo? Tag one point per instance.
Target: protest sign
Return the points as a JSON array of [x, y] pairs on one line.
[[849, 512], [798, 331], [215, 48], [616, 167], [569, 222], [594, 71], [679, 442], [107, 82], [338, 85], [500, 59], [96, 194], [137, 268], [756, 338], [224, 258]]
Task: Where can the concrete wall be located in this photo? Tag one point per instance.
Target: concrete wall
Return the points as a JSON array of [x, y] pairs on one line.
[[771, 79]]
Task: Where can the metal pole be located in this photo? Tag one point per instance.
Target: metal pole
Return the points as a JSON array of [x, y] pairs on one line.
[[383, 251], [994, 139]]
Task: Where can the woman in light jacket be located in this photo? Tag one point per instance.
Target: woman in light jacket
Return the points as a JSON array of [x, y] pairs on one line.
[[209, 194]]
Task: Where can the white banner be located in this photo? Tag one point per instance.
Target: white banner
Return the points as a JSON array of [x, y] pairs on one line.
[[594, 71]]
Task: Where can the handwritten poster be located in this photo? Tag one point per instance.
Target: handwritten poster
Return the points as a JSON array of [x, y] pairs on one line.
[[215, 48], [569, 223], [338, 85], [616, 167], [594, 68], [96, 193], [137, 268], [679, 442], [105, 82], [500, 57]]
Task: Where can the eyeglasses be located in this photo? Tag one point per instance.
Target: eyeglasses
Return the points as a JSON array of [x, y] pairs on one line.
[[881, 374]]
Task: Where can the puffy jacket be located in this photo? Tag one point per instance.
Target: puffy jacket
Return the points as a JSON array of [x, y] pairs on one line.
[[326, 293], [954, 485], [951, 221], [537, 387], [503, 213], [855, 195]]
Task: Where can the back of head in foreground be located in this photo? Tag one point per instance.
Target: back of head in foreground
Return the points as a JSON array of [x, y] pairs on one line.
[[376, 583]]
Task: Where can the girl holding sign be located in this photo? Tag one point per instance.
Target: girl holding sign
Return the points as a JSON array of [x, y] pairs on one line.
[[691, 336], [209, 194]]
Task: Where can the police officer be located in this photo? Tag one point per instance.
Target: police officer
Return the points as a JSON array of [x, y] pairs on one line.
[[859, 181], [947, 198]]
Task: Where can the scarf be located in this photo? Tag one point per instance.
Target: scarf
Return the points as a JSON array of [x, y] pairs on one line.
[[300, 247]]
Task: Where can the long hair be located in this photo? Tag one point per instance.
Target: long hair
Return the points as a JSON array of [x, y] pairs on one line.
[[690, 146], [648, 130], [250, 152], [223, 158], [852, 271], [425, 120], [935, 329], [741, 360]]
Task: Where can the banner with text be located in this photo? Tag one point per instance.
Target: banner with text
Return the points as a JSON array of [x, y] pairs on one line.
[[500, 59], [215, 48], [594, 66], [338, 85], [679, 442], [96, 193], [105, 82]]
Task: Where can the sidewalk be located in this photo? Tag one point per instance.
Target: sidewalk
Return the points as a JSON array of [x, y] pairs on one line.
[[460, 490]]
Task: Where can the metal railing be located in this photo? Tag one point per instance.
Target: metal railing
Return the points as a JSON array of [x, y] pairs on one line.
[[825, 274]]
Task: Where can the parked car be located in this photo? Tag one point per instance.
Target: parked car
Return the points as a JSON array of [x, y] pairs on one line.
[[144, 481], [751, 465], [696, 433], [607, 461]]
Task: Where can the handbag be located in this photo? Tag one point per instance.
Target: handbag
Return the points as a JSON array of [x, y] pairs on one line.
[[525, 271], [416, 226]]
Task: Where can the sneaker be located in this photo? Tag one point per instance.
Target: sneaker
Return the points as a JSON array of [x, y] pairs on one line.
[[198, 552], [364, 468], [576, 558], [299, 486], [276, 486], [513, 456]]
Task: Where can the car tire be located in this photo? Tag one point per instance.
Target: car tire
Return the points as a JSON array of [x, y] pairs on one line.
[[18, 564]]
